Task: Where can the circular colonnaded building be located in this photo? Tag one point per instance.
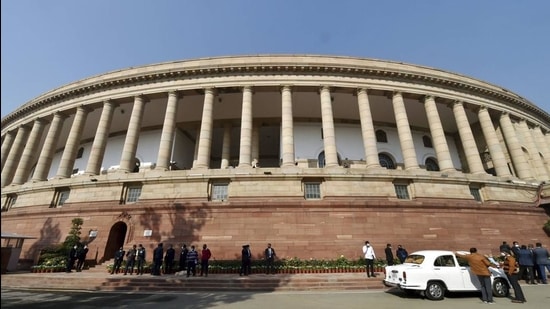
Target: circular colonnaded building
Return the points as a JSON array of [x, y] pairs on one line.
[[314, 154]]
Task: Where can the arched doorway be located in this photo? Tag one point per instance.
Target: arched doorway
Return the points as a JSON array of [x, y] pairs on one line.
[[117, 234]]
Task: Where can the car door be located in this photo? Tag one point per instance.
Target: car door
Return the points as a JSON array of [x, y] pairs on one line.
[[448, 270], [470, 280]]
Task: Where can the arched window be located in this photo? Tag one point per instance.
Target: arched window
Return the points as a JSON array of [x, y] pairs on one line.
[[321, 159], [431, 165], [427, 141], [80, 153], [386, 161], [381, 136]]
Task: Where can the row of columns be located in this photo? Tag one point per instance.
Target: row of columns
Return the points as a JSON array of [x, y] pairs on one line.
[[21, 149]]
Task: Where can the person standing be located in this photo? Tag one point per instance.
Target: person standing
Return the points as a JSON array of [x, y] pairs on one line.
[[401, 253], [505, 247], [389, 255], [479, 265], [270, 255], [192, 258], [183, 257], [509, 267], [81, 257], [71, 258], [130, 260], [541, 260], [369, 254], [525, 260], [119, 257], [205, 257], [169, 259], [157, 259], [246, 260], [140, 259]]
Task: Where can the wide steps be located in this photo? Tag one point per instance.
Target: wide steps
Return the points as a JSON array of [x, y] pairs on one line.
[[103, 281]]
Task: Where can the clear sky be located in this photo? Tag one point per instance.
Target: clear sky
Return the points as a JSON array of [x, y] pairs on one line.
[[49, 43]]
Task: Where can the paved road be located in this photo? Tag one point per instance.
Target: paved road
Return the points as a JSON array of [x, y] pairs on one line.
[[537, 296]]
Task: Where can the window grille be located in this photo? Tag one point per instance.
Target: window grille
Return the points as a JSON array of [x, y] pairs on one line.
[[402, 191], [219, 191], [312, 190], [476, 194]]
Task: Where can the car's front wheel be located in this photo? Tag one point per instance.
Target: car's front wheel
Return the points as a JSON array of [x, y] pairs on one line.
[[500, 288], [435, 291]]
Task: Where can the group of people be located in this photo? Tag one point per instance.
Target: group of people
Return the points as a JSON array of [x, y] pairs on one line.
[[518, 262], [77, 254], [189, 260], [370, 256], [532, 261]]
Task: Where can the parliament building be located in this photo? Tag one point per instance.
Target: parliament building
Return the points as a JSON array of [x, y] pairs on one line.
[[313, 154]]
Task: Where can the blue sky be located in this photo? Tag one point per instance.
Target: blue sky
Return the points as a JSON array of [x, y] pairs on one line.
[[49, 43]]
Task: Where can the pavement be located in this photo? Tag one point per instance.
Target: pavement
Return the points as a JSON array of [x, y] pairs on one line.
[[37, 294]]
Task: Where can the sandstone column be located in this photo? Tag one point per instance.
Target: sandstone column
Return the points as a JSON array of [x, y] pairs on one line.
[[287, 127], [438, 135], [404, 132], [521, 166], [6, 145], [68, 157], [255, 151], [14, 155], [207, 122], [367, 129], [329, 135], [497, 155], [46, 156], [128, 157], [29, 153], [100, 141], [529, 142], [226, 146], [542, 146], [168, 132], [467, 138], [245, 150]]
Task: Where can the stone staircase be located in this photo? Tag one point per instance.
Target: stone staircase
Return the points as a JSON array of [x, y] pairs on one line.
[[98, 279]]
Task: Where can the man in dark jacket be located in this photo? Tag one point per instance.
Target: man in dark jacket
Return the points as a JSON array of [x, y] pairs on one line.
[[157, 259], [119, 257], [140, 259], [73, 255], [246, 260], [169, 259], [81, 257], [270, 255]]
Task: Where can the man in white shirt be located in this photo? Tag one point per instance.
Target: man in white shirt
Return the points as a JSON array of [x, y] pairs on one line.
[[368, 251]]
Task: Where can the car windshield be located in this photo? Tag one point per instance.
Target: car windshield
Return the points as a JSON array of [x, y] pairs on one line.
[[415, 259]]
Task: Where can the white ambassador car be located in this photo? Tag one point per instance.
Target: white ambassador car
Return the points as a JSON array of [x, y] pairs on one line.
[[434, 272]]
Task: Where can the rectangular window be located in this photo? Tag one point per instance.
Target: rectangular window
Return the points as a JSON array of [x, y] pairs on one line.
[[401, 191], [219, 192], [133, 194], [312, 190], [10, 201], [130, 193], [476, 194], [60, 196]]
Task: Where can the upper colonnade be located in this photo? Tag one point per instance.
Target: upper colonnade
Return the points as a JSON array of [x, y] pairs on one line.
[[281, 90]]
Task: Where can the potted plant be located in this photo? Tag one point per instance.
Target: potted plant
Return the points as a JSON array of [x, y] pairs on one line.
[[546, 227]]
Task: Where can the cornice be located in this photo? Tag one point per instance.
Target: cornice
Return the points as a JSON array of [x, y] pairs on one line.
[[276, 65]]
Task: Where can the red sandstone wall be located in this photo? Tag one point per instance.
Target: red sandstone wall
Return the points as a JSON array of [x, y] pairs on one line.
[[323, 229]]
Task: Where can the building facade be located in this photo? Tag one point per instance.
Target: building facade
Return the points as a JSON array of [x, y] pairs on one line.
[[314, 154]]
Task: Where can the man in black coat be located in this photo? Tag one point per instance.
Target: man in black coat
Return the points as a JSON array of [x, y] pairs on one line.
[[81, 257], [157, 259], [119, 257], [169, 260]]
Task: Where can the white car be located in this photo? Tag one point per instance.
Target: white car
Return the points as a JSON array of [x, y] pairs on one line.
[[434, 272]]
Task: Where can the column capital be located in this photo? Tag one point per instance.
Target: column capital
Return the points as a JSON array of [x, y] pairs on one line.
[[283, 87], [362, 89], [426, 97], [173, 93]]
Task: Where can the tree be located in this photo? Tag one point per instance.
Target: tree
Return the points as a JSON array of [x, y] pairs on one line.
[[74, 234]]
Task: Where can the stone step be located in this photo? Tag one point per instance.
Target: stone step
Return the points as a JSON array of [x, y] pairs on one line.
[[102, 281]]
